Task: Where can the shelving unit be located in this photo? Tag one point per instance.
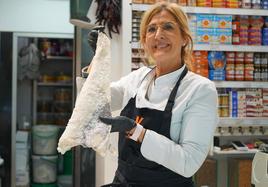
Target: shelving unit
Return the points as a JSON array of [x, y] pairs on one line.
[[209, 10], [210, 47], [240, 84], [26, 92], [225, 122], [59, 63], [246, 121], [54, 84], [59, 58], [235, 152]]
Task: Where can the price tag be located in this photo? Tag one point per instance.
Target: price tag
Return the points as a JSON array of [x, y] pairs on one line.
[[190, 9], [213, 10], [247, 84], [214, 47]]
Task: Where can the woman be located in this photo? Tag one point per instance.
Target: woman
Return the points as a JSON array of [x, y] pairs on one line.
[[175, 110]]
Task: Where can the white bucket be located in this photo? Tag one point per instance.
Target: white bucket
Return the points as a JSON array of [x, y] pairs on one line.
[[44, 169], [45, 138]]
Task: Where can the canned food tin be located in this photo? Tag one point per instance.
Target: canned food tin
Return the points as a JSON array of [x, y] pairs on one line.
[[249, 72], [239, 72], [230, 72]]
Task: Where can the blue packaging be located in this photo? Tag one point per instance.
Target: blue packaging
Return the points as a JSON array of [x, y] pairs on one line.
[[234, 103], [216, 60], [265, 36], [216, 75]]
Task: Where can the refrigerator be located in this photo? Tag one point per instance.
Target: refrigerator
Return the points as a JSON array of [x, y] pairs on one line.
[[20, 103]]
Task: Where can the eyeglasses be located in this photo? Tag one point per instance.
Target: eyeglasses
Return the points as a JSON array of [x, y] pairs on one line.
[[166, 27]]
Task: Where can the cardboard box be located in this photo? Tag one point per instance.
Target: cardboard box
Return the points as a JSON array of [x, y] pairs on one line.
[[239, 172], [207, 174]]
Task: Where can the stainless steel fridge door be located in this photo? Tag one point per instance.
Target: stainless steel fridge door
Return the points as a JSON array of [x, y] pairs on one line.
[[84, 158]]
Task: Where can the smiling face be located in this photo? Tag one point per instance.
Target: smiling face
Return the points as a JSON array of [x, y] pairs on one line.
[[163, 39]]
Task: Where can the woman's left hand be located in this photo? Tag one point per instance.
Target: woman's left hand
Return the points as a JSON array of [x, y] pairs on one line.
[[119, 123]]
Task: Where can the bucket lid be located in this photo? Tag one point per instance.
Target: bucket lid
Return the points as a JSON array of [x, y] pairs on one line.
[[53, 157], [45, 131], [64, 179], [45, 128]]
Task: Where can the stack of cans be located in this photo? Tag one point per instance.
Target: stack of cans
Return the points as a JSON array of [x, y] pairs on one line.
[[136, 19]]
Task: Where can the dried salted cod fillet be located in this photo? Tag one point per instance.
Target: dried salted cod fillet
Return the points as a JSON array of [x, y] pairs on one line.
[[84, 127]]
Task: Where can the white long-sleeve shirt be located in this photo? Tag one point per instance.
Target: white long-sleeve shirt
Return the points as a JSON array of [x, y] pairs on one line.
[[194, 116]]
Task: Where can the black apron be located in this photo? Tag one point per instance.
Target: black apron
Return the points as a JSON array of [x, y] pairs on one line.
[[133, 169]]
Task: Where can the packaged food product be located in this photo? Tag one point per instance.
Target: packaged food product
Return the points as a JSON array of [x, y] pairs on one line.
[[256, 4], [218, 3], [239, 57], [191, 2], [235, 26], [256, 21], [63, 78], [235, 39], [222, 21], [232, 4], [45, 46], [249, 72], [222, 36], [249, 58], [243, 35], [137, 1], [182, 2], [204, 20], [217, 75], [254, 36], [246, 4], [223, 111], [230, 72], [47, 78], [266, 21], [265, 36], [204, 3], [44, 106], [244, 20], [204, 36], [63, 94], [216, 60], [149, 1], [239, 72], [223, 99]]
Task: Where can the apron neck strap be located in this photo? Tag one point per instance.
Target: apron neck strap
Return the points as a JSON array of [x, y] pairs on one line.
[[173, 93]]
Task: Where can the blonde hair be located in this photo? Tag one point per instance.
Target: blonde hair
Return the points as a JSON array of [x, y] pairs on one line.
[[181, 19]]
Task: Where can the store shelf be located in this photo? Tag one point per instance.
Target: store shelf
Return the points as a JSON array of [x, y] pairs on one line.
[[210, 10], [135, 45], [219, 47], [235, 152], [240, 84], [54, 84], [208, 47], [58, 58], [245, 121], [240, 135]]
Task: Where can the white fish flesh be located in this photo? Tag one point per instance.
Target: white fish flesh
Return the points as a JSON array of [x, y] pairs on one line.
[[84, 127]]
